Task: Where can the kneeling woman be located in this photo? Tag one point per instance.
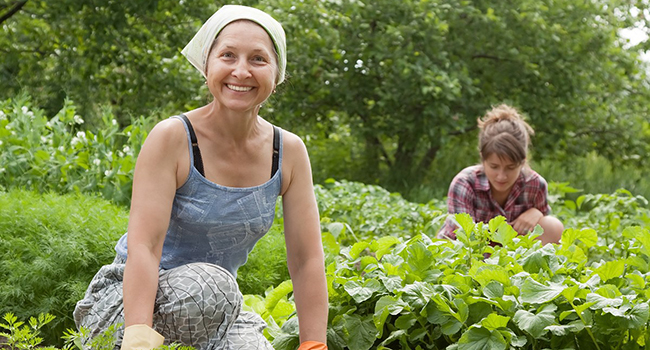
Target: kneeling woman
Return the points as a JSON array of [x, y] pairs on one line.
[[503, 183], [204, 192]]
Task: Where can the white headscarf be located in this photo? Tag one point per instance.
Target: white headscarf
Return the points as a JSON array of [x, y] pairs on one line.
[[197, 50]]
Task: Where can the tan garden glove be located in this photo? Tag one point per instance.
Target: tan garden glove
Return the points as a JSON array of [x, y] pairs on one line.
[[141, 337], [312, 345]]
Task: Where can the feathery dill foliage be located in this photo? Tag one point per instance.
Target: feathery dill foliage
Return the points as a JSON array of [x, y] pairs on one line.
[[50, 248], [267, 263]]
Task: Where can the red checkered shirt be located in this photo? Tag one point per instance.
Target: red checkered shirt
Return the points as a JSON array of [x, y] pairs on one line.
[[469, 193]]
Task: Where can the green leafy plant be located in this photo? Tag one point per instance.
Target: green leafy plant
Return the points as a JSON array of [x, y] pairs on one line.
[[57, 154], [50, 247], [19, 335]]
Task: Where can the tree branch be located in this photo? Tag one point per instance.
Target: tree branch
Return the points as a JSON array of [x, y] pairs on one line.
[[491, 57], [13, 10]]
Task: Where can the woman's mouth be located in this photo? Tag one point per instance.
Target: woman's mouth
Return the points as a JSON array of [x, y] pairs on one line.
[[239, 88]]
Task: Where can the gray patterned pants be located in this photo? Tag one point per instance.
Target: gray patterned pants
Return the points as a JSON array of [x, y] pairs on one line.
[[197, 305]]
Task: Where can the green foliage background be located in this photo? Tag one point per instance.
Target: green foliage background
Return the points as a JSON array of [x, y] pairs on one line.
[[384, 92]]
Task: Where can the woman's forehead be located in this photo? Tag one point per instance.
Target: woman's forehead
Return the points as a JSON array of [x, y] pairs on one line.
[[244, 31]]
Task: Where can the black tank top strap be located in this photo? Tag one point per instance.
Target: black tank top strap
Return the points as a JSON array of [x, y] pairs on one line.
[[198, 161], [276, 150], [196, 152]]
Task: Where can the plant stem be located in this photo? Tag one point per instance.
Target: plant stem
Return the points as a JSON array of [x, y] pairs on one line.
[[586, 326]]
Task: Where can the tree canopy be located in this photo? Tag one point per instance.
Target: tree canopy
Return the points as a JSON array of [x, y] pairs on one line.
[[402, 79]]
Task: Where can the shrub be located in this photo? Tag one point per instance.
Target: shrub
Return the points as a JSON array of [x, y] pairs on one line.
[[56, 154]]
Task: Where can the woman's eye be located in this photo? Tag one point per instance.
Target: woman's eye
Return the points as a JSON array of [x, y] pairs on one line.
[[259, 59]]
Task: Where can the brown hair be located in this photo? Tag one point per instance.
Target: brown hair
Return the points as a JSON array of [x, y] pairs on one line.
[[504, 132]]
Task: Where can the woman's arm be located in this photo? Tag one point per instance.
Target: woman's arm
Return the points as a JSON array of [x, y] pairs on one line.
[[154, 185], [460, 199], [304, 246]]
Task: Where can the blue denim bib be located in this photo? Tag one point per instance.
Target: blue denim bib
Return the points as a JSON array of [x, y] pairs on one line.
[[216, 224]]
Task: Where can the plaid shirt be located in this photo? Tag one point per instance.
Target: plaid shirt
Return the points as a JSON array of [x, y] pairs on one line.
[[469, 193]]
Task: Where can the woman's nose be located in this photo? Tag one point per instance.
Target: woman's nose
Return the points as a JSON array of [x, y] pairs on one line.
[[241, 70]]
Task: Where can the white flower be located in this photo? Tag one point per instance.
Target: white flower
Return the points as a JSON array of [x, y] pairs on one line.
[[78, 120], [74, 141], [126, 149], [61, 149], [97, 162], [107, 172], [109, 154], [0, 142], [81, 135], [2, 114], [114, 122], [25, 109], [43, 139]]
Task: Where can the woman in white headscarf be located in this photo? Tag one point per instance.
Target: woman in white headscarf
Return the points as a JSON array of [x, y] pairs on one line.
[[204, 192]]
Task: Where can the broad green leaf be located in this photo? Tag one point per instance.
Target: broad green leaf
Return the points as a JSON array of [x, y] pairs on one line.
[[534, 292], [335, 228], [361, 332], [451, 327], [611, 269], [493, 290], [467, 225], [419, 258], [535, 324], [587, 236], [570, 293], [504, 233], [485, 274], [598, 301], [418, 294], [642, 235], [379, 319], [635, 316], [273, 297], [357, 248], [385, 245], [362, 292], [478, 338], [329, 243], [562, 330], [405, 321], [608, 291], [392, 283], [463, 309], [496, 222], [393, 304], [494, 321], [636, 281], [574, 254]]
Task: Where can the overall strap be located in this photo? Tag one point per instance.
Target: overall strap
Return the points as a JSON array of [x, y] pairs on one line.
[[276, 149], [198, 161]]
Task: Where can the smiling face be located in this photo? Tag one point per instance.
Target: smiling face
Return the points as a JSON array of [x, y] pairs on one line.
[[502, 173], [242, 66]]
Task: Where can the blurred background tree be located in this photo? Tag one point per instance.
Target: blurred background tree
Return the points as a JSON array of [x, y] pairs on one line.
[[384, 92]]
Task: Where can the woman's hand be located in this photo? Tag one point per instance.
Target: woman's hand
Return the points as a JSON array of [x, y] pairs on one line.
[[527, 221], [141, 336]]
